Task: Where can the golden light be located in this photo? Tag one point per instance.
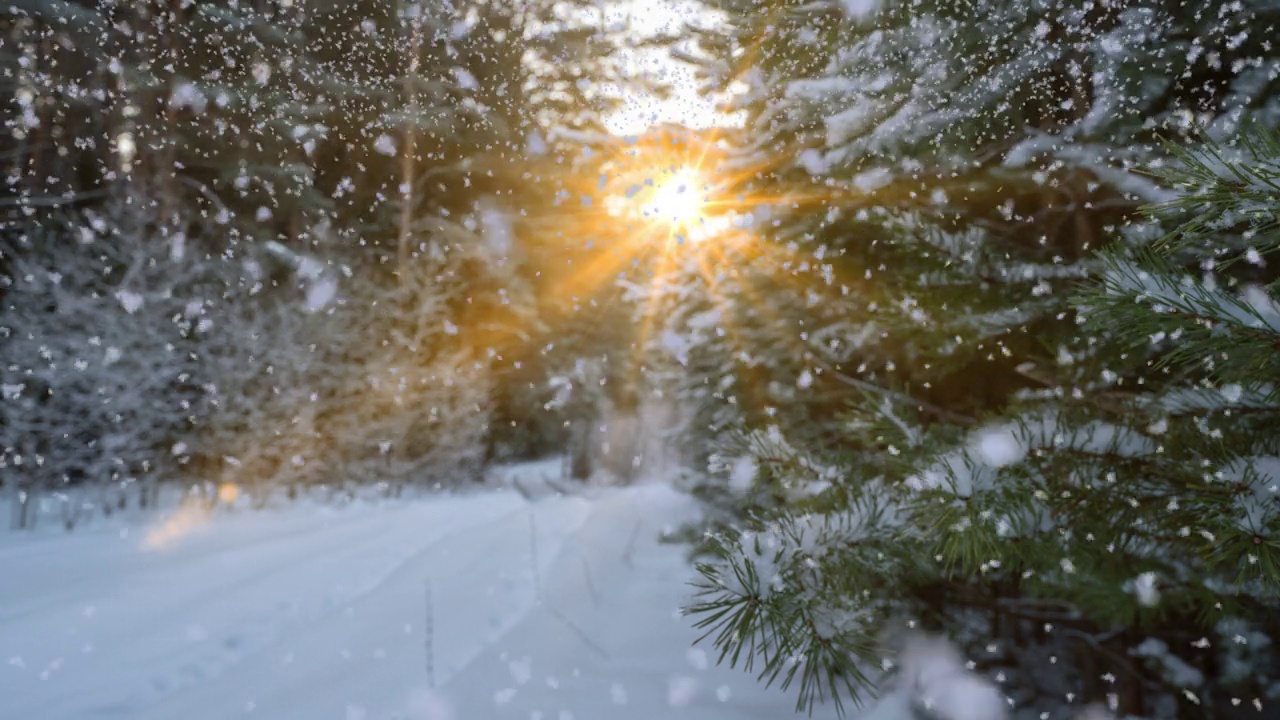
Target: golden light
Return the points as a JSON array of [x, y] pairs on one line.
[[228, 493], [190, 516], [653, 207], [680, 199], [654, 219]]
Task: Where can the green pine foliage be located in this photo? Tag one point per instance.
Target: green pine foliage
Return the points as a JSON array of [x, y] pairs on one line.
[[1136, 499], [990, 452], [1197, 313]]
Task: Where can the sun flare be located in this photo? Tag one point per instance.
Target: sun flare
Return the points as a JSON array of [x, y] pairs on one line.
[[679, 199], [664, 203]]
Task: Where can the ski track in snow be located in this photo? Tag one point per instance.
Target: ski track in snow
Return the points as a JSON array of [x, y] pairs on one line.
[[310, 613]]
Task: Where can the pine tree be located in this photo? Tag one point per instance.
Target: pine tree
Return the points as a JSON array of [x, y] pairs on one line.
[[1129, 503], [941, 176]]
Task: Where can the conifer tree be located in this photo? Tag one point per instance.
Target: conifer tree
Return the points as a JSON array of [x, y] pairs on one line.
[[1129, 504], [945, 174]]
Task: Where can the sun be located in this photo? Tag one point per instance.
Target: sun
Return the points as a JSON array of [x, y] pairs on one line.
[[679, 200]]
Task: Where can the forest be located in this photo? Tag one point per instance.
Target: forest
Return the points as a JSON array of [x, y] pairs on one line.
[[953, 320]]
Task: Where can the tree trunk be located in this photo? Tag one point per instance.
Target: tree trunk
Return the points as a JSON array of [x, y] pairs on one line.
[[408, 169], [70, 512], [21, 508], [580, 462]]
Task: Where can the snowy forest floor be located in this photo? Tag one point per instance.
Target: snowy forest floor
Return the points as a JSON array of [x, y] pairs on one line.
[[311, 613]]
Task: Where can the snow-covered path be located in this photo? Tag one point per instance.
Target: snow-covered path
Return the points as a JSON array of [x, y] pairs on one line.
[[313, 613]]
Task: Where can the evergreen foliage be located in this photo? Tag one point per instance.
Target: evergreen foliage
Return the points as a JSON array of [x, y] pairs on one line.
[[1133, 497], [986, 451]]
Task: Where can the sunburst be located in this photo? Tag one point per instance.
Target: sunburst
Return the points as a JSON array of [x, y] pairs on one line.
[[672, 212], [679, 200]]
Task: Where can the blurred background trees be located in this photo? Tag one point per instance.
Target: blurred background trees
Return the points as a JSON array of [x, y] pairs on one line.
[[281, 241]]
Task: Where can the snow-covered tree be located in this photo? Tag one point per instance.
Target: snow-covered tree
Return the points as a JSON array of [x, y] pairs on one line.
[[940, 176], [332, 196], [101, 325], [1122, 517]]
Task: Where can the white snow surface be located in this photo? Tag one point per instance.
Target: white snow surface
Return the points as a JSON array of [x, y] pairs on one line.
[[311, 611]]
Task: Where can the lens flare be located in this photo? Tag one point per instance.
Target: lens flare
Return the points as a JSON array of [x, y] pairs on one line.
[[679, 199], [228, 493], [190, 516]]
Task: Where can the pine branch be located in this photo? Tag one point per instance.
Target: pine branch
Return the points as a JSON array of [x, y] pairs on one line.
[[1142, 299], [783, 596], [1224, 189], [896, 396]]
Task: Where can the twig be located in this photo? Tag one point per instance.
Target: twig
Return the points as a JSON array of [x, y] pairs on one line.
[[50, 200], [1096, 641], [204, 191], [938, 410]]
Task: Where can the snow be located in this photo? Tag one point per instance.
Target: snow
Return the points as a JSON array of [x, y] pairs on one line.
[[499, 234], [188, 95], [1264, 307], [742, 473], [998, 446], [312, 611], [385, 145], [320, 294], [465, 79], [945, 686], [1174, 669], [974, 467], [813, 162], [536, 144], [677, 345], [852, 122], [1146, 589], [872, 180], [859, 9], [130, 301]]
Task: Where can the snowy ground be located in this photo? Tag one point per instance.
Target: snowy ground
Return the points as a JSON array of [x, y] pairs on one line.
[[311, 612]]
